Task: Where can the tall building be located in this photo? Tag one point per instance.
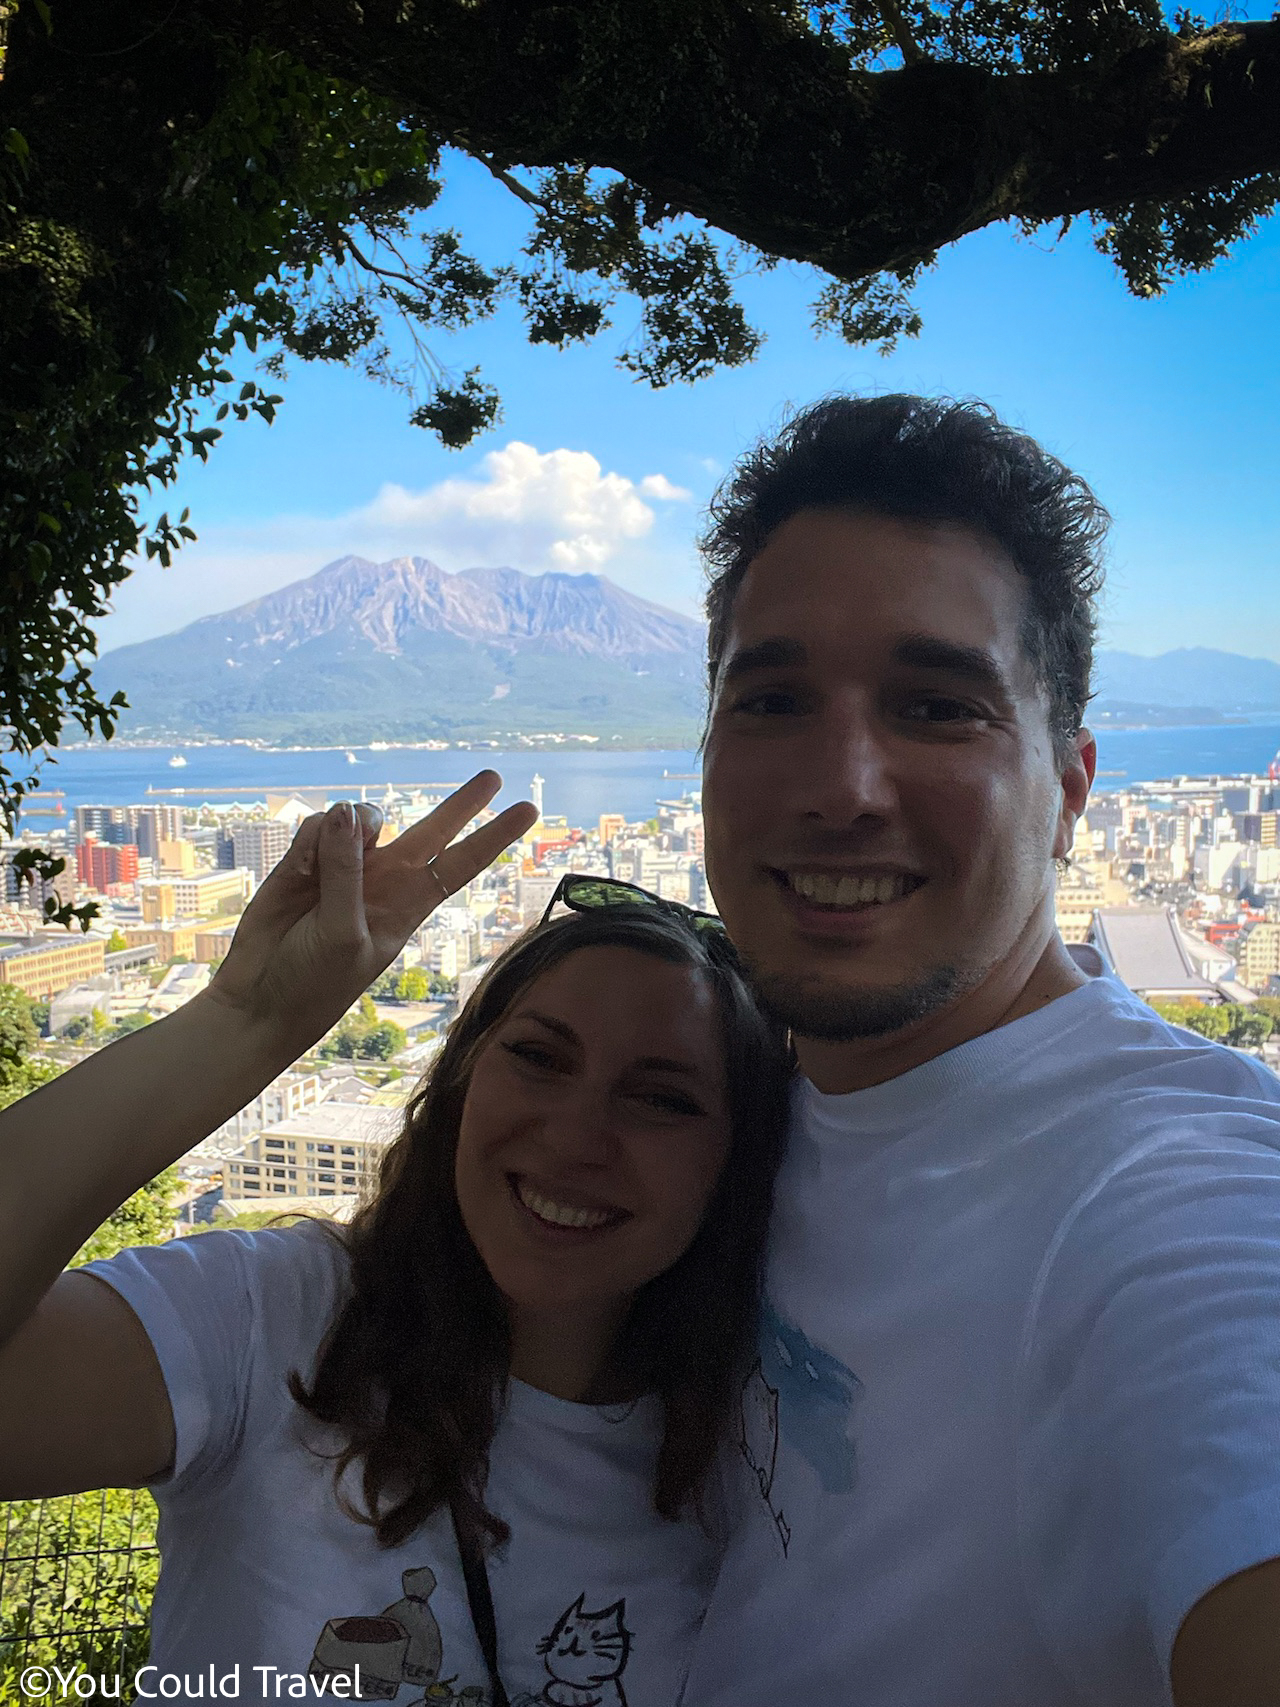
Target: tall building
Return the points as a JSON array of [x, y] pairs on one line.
[[155, 824], [31, 891], [177, 857], [100, 865], [1260, 956], [107, 823], [260, 845]]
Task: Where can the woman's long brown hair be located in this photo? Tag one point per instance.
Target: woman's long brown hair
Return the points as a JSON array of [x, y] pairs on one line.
[[413, 1371]]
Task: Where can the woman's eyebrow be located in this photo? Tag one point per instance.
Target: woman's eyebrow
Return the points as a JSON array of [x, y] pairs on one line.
[[557, 1025], [663, 1063]]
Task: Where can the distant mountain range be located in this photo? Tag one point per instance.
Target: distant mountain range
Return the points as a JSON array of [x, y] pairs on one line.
[[1191, 678], [405, 651]]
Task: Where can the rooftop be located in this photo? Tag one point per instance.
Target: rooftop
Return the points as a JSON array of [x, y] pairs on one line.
[[1144, 947], [339, 1120]]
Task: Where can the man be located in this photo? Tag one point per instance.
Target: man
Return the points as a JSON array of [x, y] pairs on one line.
[[1013, 1438]]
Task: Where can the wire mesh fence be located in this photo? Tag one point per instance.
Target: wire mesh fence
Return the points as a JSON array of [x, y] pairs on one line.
[[76, 1579]]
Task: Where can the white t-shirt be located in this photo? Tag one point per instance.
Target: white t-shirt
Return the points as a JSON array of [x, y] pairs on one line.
[[1017, 1406], [597, 1598]]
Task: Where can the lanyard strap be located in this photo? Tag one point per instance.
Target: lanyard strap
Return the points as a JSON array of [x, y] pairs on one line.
[[479, 1598]]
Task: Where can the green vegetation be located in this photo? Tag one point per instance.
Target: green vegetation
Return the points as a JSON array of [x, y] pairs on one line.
[[415, 984], [363, 1036], [20, 1020], [116, 943], [145, 1219], [77, 1584], [131, 1022], [92, 1027], [79, 1572], [251, 1220], [1241, 1027]]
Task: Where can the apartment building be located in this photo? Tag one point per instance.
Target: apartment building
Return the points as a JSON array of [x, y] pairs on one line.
[[333, 1148], [45, 965], [200, 896], [169, 941], [256, 845], [284, 1098], [101, 865], [1260, 956]]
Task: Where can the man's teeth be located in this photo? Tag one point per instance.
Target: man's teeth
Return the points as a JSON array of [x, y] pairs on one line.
[[848, 891], [559, 1213]]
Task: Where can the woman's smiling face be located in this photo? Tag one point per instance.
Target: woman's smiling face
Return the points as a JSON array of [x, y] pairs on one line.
[[594, 1130]]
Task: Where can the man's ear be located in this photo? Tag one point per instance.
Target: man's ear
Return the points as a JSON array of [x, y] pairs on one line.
[[1076, 778]]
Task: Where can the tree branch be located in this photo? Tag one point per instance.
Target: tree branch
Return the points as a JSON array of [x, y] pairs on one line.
[[369, 266], [760, 126], [513, 184], [898, 28]]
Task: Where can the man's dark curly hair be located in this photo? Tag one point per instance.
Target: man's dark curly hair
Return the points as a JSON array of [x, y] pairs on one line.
[[931, 460]]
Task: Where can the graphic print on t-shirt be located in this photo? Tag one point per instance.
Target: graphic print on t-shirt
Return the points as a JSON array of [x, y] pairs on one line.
[[758, 1441], [586, 1655], [816, 1396], [400, 1645]]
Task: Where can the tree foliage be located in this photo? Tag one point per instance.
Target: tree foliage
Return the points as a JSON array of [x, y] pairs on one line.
[[362, 1036], [20, 1070], [1241, 1027], [146, 1218], [182, 186]]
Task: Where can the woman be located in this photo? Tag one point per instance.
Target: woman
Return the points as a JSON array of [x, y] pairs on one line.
[[528, 1344]]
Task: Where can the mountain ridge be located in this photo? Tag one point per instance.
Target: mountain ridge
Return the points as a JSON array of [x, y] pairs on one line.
[[1189, 676], [405, 649]]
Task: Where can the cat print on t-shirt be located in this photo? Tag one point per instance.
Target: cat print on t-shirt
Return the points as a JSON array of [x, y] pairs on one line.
[[586, 1655]]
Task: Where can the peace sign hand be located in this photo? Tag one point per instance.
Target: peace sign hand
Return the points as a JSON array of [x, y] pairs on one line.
[[337, 909]]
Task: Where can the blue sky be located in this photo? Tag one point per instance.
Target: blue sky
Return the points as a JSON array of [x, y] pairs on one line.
[[1170, 408]]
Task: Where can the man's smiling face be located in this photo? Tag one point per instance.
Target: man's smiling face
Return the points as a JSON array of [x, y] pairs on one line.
[[883, 802]]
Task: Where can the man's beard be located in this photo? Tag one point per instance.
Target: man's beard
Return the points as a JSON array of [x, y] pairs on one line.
[[833, 1013]]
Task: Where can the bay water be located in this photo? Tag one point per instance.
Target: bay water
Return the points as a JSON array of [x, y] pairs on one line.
[[578, 785]]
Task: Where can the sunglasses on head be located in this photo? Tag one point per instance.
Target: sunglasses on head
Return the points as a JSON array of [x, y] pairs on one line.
[[584, 894]]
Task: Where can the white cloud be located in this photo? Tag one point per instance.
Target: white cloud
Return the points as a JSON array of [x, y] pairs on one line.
[[524, 508], [658, 486], [555, 509]]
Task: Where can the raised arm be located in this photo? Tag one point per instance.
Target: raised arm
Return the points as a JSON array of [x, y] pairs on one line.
[[81, 1399]]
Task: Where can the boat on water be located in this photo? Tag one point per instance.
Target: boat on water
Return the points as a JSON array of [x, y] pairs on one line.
[[176, 762], [352, 759]]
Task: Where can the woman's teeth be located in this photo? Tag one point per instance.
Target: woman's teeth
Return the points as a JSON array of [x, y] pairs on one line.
[[559, 1214], [835, 891]]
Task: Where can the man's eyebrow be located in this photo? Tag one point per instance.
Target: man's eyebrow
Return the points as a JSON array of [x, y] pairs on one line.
[[928, 652], [773, 654]]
